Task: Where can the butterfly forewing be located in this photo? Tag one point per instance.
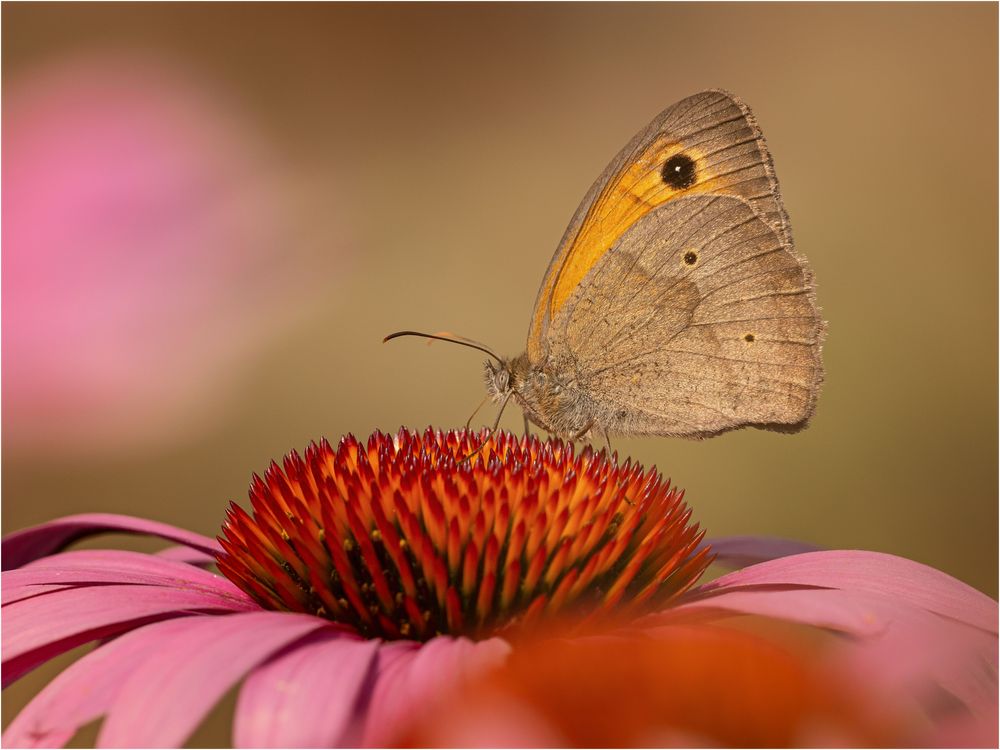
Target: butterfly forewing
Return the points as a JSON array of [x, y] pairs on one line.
[[708, 143]]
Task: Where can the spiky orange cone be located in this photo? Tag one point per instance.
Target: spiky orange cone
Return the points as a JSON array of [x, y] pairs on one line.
[[403, 537]]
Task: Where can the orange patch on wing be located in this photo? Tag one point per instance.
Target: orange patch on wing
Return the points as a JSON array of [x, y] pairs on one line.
[[630, 195]]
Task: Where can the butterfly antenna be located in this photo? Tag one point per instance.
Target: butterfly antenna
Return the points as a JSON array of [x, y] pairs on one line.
[[446, 336], [493, 429]]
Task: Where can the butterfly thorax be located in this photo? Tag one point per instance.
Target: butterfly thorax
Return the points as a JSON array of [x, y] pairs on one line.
[[553, 405]]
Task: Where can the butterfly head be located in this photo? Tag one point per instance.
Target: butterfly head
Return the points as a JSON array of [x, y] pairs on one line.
[[498, 378]]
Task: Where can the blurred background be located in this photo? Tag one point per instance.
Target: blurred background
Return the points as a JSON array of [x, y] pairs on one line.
[[213, 213]]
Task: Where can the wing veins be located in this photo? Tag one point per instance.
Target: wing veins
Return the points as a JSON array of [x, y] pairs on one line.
[[784, 293], [715, 237], [750, 320]]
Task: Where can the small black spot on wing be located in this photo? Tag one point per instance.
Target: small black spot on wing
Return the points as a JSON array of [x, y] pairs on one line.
[[679, 171]]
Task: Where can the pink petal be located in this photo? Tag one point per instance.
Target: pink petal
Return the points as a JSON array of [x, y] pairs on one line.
[[85, 567], [895, 578], [740, 551], [16, 593], [901, 645], [845, 611], [169, 693], [187, 555], [85, 689], [949, 667], [407, 680], [306, 696], [389, 691], [29, 544], [965, 731], [37, 629]]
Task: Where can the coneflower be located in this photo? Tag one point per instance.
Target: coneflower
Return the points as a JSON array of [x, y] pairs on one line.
[[366, 579]]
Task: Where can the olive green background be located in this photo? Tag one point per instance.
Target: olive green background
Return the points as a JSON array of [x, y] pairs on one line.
[[463, 138]]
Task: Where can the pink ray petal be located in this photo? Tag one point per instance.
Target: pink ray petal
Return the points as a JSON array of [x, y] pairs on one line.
[[187, 555], [34, 583], [169, 693], [966, 731], [390, 692], [950, 667], [392, 661], [15, 593], [306, 696], [408, 680], [85, 689], [889, 576], [84, 567], [858, 614], [901, 645], [38, 629], [29, 544], [740, 551]]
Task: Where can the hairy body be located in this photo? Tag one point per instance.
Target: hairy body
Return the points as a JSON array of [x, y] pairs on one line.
[[547, 400]]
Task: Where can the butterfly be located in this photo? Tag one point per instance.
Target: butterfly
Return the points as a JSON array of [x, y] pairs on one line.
[[675, 304]]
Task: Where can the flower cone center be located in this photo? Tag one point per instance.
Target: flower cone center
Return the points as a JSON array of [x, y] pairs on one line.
[[403, 538]]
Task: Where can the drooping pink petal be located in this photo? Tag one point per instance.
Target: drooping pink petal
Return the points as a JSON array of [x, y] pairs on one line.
[[42, 627], [894, 578], [965, 731], [16, 592], [187, 555], [99, 567], [899, 644], [85, 689], [389, 690], [409, 679], [740, 551], [950, 668], [169, 693], [857, 614], [306, 696], [21, 547]]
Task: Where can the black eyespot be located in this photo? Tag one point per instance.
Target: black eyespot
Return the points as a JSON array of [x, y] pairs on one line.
[[679, 172], [749, 338], [690, 257]]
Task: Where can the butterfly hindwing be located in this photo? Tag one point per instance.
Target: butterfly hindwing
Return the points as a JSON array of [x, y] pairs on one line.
[[699, 319]]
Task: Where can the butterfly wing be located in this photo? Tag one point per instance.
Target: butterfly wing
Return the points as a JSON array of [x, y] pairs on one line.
[[700, 319], [708, 143]]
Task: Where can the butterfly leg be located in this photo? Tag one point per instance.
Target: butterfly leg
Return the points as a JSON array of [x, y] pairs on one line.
[[527, 426], [471, 416], [582, 432], [492, 432], [607, 439]]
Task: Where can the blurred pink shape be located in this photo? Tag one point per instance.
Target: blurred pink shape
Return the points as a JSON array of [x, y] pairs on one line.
[[146, 252]]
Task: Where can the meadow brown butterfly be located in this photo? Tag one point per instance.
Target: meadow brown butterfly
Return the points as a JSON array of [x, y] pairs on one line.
[[675, 304]]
